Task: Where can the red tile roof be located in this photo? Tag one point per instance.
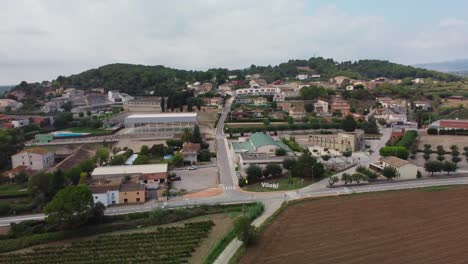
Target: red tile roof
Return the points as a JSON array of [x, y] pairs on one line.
[[454, 124], [190, 147]]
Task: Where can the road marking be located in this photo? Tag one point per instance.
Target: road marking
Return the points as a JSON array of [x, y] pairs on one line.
[[229, 188]]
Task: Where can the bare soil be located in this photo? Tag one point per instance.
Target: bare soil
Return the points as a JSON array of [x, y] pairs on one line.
[[417, 226]]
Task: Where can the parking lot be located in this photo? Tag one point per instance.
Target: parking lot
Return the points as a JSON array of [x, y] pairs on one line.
[[196, 180]]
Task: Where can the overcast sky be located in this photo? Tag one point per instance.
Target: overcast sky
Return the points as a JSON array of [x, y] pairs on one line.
[[41, 39]]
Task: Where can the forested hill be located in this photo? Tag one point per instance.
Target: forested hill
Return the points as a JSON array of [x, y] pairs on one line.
[[363, 69], [139, 79]]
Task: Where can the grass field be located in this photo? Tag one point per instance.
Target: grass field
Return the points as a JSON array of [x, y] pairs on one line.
[[283, 185], [416, 226], [13, 189]]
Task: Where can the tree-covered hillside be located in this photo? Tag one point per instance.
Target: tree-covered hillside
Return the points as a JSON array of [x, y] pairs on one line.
[[140, 79], [135, 79], [363, 69]]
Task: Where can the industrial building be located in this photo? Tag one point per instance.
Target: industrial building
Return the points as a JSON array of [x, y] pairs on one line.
[[148, 104], [160, 125], [151, 174]]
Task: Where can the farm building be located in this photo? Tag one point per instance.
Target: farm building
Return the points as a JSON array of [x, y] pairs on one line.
[[150, 174]]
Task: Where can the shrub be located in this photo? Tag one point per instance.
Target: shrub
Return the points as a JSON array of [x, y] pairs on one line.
[[432, 131]]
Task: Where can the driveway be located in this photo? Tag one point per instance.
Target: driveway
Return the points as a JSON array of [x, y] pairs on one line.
[[196, 180]]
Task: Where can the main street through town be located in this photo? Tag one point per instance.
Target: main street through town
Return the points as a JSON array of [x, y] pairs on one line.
[[232, 193]]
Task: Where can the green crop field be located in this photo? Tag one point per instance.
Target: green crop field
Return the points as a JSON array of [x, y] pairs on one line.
[[165, 245]]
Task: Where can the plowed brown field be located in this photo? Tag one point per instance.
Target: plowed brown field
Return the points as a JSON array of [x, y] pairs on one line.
[[392, 227]]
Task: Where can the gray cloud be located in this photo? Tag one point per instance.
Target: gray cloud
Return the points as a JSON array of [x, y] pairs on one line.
[[45, 38]]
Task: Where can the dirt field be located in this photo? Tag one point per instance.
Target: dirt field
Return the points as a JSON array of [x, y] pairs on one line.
[[417, 226], [445, 140]]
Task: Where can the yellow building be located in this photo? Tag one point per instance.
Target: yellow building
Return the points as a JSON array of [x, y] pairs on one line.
[[131, 193], [340, 142]]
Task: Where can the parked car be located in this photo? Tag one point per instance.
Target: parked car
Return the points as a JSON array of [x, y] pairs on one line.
[[192, 167], [176, 178]]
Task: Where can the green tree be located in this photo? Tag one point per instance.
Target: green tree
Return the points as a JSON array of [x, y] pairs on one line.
[[290, 120], [274, 170], [370, 127], [204, 155], [433, 166], [254, 173], [144, 150], [308, 167], [309, 108], [280, 152], [71, 207], [346, 178], [102, 156], [397, 151], [186, 135], [390, 172], [177, 160], [245, 231], [332, 180], [83, 177], [449, 167], [289, 164], [196, 136], [266, 122], [358, 177], [141, 160], [348, 124]]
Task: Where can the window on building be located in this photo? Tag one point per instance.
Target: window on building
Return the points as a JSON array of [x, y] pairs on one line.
[[138, 193], [138, 200], [125, 200]]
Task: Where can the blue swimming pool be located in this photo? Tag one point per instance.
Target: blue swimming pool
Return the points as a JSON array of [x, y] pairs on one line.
[[68, 134]]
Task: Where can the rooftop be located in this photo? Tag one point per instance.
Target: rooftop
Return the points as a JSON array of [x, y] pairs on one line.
[[103, 188], [133, 169], [191, 147], [257, 140], [394, 161], [261, 157], [132, 187], [40, 151], [163, 115]]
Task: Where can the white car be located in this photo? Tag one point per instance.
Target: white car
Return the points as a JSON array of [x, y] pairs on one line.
[[192, 168]]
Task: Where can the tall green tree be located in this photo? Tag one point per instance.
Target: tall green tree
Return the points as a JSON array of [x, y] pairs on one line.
[[70, 208], [196, 135], [186, 135]]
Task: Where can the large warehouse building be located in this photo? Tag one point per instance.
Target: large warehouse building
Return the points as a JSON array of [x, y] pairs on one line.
[[163, 124]]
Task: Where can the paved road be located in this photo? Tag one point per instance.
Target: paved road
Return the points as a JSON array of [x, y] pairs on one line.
[[265, 197], [227, 177]]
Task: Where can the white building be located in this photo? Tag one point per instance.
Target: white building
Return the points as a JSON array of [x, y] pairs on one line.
[[259, 159], [51, 107], [20, 123], [302, 77], [321, 107], [118, 97], [12, 104], [397, 118], [404, 169], [163, 124], [35, 159], [105, 194], [254, 91]]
